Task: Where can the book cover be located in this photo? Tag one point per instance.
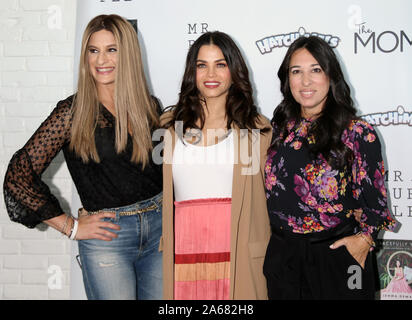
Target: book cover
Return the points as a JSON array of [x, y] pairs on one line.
[[394, 260]]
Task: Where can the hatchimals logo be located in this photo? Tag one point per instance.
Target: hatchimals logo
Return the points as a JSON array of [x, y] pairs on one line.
[[266, 45], [397, 117]]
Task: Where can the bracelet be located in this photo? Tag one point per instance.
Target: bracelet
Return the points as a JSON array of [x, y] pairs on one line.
[[373, 244], [64, 225], [73, 232]]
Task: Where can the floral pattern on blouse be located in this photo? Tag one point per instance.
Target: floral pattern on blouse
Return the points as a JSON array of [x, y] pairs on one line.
[[307, 195]]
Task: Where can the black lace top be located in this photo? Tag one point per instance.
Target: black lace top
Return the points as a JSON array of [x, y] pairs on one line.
[[113, 182]]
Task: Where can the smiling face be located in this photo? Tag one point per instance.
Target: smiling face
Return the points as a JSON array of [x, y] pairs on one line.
[[102, 57], [308, 83], [213, 79]]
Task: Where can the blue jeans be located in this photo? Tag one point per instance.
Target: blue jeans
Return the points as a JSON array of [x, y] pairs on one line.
[[130, 266]]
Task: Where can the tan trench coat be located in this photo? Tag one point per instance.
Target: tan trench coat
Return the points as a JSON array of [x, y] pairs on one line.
[[250, 228]]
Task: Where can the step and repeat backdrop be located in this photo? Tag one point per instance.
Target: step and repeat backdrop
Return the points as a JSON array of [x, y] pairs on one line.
[[372, 38]]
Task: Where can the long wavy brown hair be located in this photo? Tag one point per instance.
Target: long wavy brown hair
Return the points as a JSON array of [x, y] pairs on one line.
[[336, 115], [240, 107], [134, 106]]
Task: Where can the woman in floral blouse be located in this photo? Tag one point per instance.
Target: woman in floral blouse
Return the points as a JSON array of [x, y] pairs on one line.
[[324, 180]]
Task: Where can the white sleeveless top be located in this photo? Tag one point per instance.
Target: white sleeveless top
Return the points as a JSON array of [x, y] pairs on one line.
[[203, 172]]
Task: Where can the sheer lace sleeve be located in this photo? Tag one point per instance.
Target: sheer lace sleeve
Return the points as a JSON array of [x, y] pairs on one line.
[[28, 199]]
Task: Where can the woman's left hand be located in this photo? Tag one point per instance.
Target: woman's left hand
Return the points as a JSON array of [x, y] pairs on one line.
[[356, 246]]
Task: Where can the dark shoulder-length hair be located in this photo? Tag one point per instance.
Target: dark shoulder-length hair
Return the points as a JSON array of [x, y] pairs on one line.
[[336, 115], [240, 107]]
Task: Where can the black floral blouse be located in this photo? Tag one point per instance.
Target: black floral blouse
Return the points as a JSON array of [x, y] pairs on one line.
[[305, 195], [114, 182]]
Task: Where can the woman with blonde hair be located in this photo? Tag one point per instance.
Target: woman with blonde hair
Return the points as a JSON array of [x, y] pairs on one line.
[[104, 131]]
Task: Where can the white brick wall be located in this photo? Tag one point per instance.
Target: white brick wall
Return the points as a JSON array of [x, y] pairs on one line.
[[36, 71]]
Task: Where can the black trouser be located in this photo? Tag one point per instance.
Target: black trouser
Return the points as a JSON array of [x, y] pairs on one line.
[[304, 267]]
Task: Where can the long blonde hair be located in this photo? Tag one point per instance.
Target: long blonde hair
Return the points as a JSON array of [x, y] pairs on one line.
[[135, 109]]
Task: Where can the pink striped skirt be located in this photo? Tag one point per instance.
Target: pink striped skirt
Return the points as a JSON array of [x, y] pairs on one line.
[[202, 249]]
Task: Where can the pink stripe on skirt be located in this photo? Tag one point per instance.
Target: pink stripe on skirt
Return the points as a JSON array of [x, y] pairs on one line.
[[202, 230]]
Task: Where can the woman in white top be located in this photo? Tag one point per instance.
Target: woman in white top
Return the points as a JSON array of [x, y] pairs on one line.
[[201, 231]]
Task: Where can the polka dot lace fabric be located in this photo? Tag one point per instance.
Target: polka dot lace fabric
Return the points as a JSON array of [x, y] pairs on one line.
[[113, 182], [28, 199]]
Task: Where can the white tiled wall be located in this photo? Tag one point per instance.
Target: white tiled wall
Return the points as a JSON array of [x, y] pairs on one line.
[[36, 71]]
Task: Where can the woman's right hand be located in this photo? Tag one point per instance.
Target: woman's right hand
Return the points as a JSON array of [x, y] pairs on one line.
[[92, 227]]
